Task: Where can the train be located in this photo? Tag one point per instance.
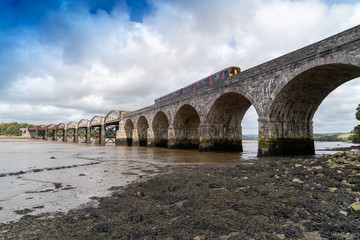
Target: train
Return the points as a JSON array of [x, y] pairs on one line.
[[218, 76]]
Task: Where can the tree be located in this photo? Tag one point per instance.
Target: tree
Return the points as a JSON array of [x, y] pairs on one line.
[[12, 129], [356, 136]]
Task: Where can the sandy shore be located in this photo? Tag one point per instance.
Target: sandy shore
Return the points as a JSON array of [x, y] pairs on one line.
[[278, 198]]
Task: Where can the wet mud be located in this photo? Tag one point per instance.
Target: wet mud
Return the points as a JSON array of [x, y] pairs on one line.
[[269, 198]]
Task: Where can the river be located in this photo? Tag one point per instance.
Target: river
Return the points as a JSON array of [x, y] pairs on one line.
[[44, 176]]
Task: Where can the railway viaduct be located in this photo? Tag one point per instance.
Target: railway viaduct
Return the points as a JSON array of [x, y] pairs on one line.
[[285, 93]]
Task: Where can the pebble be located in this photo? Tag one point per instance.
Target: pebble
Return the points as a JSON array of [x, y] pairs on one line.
[[280, 236], [199, 237], [140, 194], [297, 180], [343, 213]]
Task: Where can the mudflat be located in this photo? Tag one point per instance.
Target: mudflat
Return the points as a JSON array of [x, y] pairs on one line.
[[265, 198]]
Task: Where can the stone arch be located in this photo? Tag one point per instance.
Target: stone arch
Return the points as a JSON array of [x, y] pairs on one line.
[[160, 125], [129, 128], [222, 129], [294, 106], [142, 128], [186, 126]]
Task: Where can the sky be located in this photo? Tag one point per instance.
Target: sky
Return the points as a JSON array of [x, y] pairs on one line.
[[65, 60]]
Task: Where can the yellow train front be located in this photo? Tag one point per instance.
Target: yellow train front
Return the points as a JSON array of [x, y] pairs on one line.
[[218, 76]]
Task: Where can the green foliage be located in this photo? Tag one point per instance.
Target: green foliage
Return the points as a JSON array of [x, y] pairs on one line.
[[356, 136], [327, 137], [12, 129]]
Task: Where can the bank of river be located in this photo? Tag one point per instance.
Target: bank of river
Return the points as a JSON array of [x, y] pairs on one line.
[[229, 197]]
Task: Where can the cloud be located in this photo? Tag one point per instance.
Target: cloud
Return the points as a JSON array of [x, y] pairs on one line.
[[84, 58]]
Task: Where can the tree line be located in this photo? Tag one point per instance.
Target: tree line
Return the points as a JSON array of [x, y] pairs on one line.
[[12, 129]]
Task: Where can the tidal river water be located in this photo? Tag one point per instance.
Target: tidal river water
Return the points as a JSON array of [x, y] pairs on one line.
[[44, 176]]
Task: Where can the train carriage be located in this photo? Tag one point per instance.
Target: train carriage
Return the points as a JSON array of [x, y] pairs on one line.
[[218, 76]]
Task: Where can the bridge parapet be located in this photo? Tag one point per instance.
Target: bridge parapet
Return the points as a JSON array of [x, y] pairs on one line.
[[71, 125], [97, 120], [84, 123], [114, 116]]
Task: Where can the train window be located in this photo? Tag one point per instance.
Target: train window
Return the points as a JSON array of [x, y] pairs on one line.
[[231, 70]]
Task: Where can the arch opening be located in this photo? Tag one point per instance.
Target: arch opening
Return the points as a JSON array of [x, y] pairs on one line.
[[160, 127], [95, 134], [293, 109], [222, 130], [70, 135], [129, 128], [186, 126], [142, 128]]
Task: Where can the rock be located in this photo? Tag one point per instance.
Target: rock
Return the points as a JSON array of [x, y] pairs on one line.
[[280, 236], [332, 189], [140, 194], [334, 165], [297, 180], [341, 160], [317, 167], [202, 237], [343, 213], [355, 207], [356, 166], [82, 174], [52, 157]]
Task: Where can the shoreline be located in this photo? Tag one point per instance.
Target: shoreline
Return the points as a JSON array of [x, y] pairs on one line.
[[279, 198]]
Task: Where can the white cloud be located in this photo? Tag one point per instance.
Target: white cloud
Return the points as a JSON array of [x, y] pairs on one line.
[[82, 64]]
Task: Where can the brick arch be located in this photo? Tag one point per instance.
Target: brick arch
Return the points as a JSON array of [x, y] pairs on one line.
[[186, 126], [160, 125], [222, 127], [142, 127]]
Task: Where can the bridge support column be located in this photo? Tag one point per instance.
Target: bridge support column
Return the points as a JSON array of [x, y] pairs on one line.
[[102, 136], [65, 135], [88, 135], [135, 138], [171, 138], [121, 136], [285, 138], [76, 135], [54, 135], [150, 137], [185, 138], [220, 138]]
